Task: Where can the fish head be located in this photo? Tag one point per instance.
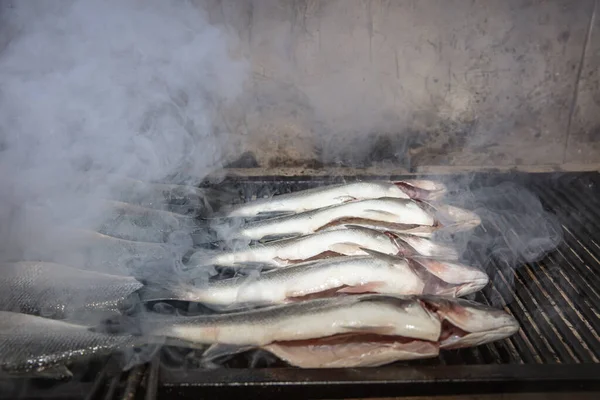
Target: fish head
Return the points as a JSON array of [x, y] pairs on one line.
[[466, 323], [408, 245], [421, 189], [452, 218], [449, 278]]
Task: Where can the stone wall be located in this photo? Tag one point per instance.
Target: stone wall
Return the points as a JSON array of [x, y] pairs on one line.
[[415, 82]]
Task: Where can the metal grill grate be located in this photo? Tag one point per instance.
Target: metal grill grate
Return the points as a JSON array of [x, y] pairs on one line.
[[556, 301]]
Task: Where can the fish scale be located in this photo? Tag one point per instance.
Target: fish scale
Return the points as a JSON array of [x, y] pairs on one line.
[[36, 287], [31, 345]]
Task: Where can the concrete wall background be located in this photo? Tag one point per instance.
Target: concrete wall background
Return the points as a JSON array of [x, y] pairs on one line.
[[415, 82]]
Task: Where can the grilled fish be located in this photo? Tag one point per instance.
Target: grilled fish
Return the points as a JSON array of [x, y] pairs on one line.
[[312, 319], [400, 216], [59, 291], [347, 241], [352, 331], [326, 196], [36, 346], [373, 273], [398, 211]]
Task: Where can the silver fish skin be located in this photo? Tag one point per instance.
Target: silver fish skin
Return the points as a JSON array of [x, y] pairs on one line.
[[280, 253], [311, 319], [474, 323], [359, 274], [57, 290], [95, 251], [330, 195], [448, 219], [399, 211], [36, 346], [372, 273], [133, 222], [345, 240]]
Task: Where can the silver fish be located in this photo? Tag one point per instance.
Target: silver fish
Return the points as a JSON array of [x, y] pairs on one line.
[[312, 319], [448, 219], [36, 346], [469, 323], [326, 196], [397, 211], [58, 290], [352, 331], [348, 240], [372, 273]]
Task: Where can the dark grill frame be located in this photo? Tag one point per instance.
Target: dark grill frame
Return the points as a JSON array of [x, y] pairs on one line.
[[556, 300]]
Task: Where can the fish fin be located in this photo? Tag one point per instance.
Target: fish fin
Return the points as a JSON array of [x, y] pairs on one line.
[[54, 372], [370, 287], [346, 199], [273, 214], [345, 248], [218, 350], [354, 226], [271, 238], [377, 254]]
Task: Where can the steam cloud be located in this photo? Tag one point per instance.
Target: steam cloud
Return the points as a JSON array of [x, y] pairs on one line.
[[93, 93]]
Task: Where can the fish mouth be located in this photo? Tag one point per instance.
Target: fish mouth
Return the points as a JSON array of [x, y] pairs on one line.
[[448, 278], [407, 246], [457, 217], [452, 218], [440, 288], [422, 189], [453, 337], [464, 324]]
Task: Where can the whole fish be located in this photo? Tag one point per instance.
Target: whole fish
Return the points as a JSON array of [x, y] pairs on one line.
[[59, 291], [397, 211], [373, 273], [311, 319], [36, 346], [449, 219], [326, 196], [352, 331], [345, 240]]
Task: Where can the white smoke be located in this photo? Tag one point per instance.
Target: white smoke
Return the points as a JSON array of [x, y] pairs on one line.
[[94, 91]]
